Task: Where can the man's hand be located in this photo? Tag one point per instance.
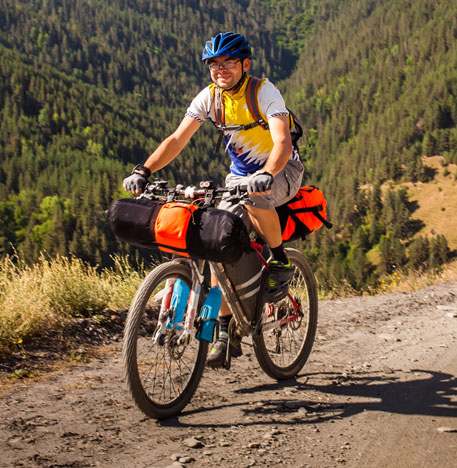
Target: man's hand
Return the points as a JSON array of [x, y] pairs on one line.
[[260, 183], [135, 183]]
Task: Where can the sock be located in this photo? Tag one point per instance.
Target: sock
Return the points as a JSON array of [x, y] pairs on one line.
[[224, 321], [279, 254]]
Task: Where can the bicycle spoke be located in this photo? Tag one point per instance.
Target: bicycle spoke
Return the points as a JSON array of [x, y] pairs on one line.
[[159, 368], [288, 326]]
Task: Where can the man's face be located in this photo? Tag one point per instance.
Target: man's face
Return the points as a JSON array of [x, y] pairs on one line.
[[227, 77]]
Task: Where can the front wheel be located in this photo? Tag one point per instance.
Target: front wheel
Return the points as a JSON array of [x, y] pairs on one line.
[[162, 372], [286, 329]]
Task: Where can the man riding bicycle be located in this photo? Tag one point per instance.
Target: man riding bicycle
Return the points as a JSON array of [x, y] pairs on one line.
[[263, 157]]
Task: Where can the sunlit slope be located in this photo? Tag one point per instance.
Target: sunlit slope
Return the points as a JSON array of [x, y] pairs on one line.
[[437, 201]]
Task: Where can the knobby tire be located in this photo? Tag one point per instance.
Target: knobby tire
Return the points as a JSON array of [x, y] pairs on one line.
[[161, 371], [282, 352]]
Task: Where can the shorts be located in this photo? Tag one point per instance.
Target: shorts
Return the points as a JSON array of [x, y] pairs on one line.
[[285, 187]]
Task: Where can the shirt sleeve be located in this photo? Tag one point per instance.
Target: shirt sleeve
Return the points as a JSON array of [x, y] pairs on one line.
[[271, 102], [200, 107]]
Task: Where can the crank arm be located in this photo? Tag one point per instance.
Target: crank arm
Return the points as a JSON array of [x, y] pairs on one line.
[[279, 323]]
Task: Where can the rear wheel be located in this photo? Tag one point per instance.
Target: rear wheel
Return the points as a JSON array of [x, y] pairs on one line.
[[162, 373], [287, 328]]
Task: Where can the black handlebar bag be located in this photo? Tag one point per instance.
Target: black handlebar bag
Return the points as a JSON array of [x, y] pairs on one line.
[[178, 227]]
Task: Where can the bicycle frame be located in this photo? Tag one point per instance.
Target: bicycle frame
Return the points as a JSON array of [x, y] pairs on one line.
[[243, 325], [164, 361], [231, 298], [234, 304]]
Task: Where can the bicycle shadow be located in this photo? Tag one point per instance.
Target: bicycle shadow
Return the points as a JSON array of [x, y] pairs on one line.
[[430, 395], [330, 396]]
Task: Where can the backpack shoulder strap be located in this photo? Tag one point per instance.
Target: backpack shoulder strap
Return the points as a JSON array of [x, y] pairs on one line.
[[296, 131], [252, 90], [219, 108], [219, 114]]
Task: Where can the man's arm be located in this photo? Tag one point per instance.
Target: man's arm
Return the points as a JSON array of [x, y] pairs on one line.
[[172, 145], [282, 144]]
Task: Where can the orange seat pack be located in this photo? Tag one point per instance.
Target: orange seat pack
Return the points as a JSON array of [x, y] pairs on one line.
[[303, 214]]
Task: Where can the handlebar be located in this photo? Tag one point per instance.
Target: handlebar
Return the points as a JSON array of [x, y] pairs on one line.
[[207, 190]]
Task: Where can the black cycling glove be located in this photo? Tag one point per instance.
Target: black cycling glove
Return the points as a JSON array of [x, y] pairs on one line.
[[138, 180], [135, 183], [260, 182]]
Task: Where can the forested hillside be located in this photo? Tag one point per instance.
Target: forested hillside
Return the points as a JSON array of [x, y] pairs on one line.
[[88, 88], [377, 89]]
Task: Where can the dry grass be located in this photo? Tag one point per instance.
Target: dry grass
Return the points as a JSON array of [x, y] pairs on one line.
[[437, 201], [398, 281], [413, 281], [121, 282], [45, 296], [42, 297]]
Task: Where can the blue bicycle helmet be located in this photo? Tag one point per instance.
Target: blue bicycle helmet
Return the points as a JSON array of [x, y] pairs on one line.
[[227, 44]]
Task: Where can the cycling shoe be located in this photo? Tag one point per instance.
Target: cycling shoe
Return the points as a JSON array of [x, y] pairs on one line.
[[218, 353], [279, 275]]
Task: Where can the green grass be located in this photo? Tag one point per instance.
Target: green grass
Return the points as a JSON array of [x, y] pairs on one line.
[[45, 296]]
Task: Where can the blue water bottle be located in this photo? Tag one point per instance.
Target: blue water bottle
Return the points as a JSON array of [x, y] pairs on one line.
[[178, 302], [209, 313]]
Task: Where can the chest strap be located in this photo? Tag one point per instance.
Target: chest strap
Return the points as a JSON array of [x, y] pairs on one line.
[[251, 91]]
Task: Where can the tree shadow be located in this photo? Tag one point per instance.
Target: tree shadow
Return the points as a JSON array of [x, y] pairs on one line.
[[429, 173], [412, 205], [414, 226]]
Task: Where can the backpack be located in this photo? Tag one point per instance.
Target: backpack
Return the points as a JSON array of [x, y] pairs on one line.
[[303, 214], [181, 228], [252, 90]]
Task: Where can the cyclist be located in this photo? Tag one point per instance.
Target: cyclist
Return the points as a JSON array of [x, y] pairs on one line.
[[263, 159]]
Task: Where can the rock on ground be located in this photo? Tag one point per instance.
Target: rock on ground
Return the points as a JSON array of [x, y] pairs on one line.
[[379, 390]]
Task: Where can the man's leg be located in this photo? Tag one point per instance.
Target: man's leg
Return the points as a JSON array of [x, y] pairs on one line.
[[218, 352], [261, 208], [266, 223]]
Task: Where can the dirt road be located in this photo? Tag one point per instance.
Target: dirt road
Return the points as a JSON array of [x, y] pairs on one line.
[[379, 390]]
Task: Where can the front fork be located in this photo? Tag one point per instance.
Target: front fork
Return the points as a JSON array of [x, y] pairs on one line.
[[192, 306], [165, 315]]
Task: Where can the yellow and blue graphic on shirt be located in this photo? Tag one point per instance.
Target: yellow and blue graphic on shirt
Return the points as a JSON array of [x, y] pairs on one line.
[[248, 149]]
